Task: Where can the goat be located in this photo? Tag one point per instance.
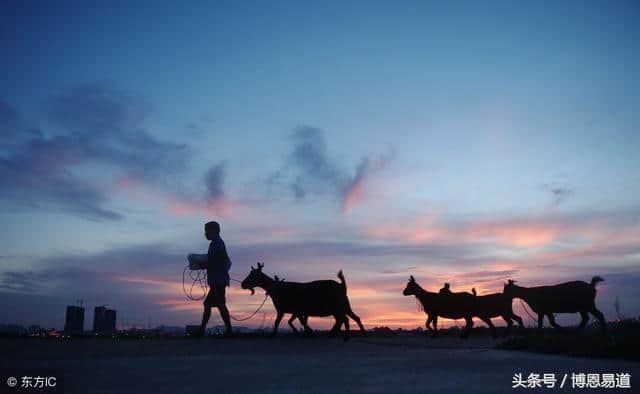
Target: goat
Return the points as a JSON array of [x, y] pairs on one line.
[[450, 305], [317, 298], [491, 305], [302, 318], [494, 305], [570, 297]]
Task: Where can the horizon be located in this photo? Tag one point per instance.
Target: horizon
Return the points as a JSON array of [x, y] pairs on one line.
[[468, 143]]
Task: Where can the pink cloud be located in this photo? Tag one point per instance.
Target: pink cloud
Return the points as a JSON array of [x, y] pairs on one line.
[[525, 233], [355, 190]]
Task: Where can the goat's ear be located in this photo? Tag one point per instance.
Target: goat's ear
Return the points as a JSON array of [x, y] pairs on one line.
[[260, 265], [411, 278]]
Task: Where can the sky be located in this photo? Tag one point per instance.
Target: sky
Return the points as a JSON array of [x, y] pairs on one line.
[[461, 142]]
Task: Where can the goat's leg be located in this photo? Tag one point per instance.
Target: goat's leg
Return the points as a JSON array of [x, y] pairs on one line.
[[307, 330], [277, 323], [291, 319], [434, 323], [336, 327], [509, 325], [487, 321], [346, 327], [540, 321], [517, 318], [428, 325], [357, 320], [467, 328], [584, 316], [603, 323], [552, 320]]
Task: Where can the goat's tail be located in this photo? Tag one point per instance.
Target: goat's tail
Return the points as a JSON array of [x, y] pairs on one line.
[[595, 280], [473, 290], [342, 280]]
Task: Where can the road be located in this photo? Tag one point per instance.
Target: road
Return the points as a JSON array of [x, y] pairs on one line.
[[292, 365]]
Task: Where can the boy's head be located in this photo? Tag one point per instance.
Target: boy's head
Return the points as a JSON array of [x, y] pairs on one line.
[[211, 229]]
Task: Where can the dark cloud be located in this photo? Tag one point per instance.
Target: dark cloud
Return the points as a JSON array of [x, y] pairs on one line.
[[96, 125], [19, 281], [213, 181], [310, 170], [108, 125], [558, 193], [315, 172], [39, 176]]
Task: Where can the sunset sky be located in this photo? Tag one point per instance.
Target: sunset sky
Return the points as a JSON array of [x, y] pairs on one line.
[[470, 142]]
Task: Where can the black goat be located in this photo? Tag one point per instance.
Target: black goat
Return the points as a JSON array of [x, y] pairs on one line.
[[570, 297], [494, 305], [491, 305], [317, 298], [302, 318], [449, 305]]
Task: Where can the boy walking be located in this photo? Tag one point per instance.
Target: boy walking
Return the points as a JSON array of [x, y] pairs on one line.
[[218, 266]]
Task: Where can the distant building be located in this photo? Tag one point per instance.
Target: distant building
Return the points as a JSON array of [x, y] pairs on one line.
[[104, 321], [74, 323]]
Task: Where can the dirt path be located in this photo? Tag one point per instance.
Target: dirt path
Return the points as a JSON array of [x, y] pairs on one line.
[[293, 365]]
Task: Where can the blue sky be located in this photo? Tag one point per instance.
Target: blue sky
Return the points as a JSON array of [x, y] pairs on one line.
[[467, 142]]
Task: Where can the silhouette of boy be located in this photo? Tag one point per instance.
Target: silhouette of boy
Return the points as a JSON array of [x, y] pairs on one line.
[[218, 266], [445, 289]]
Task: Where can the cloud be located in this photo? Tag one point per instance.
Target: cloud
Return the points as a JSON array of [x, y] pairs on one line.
[[108, 124], [39, 176], [213, 181], [558, 193], [18, 281], [96, 126], [214, 201], [314, 172]]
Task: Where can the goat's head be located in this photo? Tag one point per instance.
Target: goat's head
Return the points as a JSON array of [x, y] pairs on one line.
[[509, 288], [255, 279], [412, 287]]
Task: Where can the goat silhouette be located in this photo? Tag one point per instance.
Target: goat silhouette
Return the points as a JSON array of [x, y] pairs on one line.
[[317, 298], [570, 297]]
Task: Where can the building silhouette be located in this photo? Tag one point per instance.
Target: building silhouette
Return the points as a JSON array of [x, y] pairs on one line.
[[74, 322], [104, 321]]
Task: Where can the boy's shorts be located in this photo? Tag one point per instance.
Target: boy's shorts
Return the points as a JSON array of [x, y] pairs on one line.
[[216, 296]]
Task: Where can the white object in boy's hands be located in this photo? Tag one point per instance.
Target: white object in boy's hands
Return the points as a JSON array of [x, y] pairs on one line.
[[197, 261]]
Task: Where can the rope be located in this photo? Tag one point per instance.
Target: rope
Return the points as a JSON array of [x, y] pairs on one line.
[[200, 277], [254, 313]]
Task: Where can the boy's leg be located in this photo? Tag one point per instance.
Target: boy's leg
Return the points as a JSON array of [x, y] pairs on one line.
[[221, 303], [224, 313], [206, 314]]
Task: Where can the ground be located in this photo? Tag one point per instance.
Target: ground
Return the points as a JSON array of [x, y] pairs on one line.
[[288, 364]]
